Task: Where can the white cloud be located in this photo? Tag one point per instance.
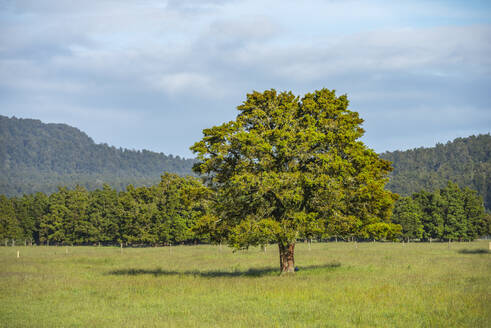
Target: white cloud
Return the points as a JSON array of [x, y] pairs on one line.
[[183, 82], [248, 28], [190, 57]]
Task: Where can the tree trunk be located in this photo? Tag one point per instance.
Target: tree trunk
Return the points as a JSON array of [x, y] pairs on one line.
[[287, 261]]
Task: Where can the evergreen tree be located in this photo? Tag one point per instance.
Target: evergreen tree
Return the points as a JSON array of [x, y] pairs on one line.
[[432, 208], [286, 166], [79, 229], [408, 214], [52, 227], [475, 214], [181, 205], [455, 220], [102, 213], [128, 212], [10, 228]]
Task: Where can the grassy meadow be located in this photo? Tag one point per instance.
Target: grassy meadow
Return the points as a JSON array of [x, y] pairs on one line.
[[337, 285]]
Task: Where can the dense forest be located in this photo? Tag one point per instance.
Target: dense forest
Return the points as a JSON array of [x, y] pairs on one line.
[[177, 211], [161, 214], [449, 213], [39, 157], [465, 161], [113, 196]]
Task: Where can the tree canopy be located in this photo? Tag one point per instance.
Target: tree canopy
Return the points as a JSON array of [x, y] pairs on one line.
[[162, 214], [287, 167], [448, 213], [465, 161]]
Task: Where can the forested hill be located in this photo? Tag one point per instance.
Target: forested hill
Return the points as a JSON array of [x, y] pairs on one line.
[[466, 161], [35, 156]]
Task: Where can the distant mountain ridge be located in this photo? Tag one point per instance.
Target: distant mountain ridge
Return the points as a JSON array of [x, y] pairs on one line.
[[465, 161], [36, 156]]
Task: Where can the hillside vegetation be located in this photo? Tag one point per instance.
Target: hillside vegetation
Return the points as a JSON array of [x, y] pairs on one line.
[[465, 161], [39, 157], [177, 210]]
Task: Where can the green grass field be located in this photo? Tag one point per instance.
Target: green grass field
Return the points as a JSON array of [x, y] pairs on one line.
[[338, 285]]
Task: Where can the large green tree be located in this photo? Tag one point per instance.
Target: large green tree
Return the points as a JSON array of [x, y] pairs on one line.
[[287, 166]]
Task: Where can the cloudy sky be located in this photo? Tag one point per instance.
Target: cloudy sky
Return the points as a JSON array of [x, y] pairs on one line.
[[151, 74]]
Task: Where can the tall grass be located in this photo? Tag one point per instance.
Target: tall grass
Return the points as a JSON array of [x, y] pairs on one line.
[[337, 285]]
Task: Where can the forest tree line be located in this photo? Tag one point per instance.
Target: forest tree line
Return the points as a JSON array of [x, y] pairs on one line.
[[449, 213], [465, 161], [160, 214], [39, 157], [175, 210]]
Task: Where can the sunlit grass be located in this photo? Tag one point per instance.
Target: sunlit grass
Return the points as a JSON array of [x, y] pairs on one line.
[[337, 285]]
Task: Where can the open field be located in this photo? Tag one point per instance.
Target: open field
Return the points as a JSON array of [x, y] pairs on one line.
[[338, 285]]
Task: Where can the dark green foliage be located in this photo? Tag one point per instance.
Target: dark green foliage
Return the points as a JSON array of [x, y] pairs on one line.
[[177, 210], [466, 161], [431, 205], [409, 215], [475, 214], [40, 157], [448, 213], [287, 166], [9, 225], [455, 220], [161, 214], [103, 214]]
